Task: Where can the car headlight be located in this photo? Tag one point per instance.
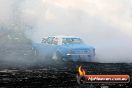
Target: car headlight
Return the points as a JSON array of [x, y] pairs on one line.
[[68, 54]]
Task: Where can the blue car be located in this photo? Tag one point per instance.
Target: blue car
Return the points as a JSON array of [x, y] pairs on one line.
[[64, 48]]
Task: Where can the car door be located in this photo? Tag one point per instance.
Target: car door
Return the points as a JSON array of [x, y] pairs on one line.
[[55, 44], [43, 47], [50, 46]]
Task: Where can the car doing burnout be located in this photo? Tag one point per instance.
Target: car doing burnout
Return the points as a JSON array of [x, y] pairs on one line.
[[64, 48]]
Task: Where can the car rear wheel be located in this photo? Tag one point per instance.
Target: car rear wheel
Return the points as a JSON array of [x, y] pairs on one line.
[[57, 56], [35, 52]]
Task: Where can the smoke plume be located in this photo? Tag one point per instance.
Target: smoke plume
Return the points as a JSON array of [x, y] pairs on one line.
[[105, 24]]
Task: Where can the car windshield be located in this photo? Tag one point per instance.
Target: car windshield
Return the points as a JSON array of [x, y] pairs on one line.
[[72, 41]]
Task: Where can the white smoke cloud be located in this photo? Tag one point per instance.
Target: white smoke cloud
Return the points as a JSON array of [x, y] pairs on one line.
[[106, 24], [5, 10]]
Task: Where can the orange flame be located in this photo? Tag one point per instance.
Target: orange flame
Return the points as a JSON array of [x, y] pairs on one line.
[[81, 71]]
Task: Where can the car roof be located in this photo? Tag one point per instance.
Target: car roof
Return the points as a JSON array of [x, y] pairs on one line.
[[64, 36]]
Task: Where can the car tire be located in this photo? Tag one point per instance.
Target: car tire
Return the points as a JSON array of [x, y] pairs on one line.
[[35, 52], [57, 56]]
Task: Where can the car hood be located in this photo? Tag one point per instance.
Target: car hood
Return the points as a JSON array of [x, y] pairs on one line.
[[78, 46]]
